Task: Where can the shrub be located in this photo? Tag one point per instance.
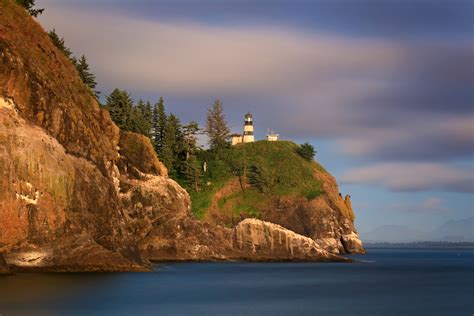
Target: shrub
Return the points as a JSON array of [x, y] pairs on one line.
[[306, 151]]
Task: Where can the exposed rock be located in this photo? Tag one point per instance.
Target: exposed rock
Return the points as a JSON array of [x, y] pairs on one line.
[[250, 240], [138, 155], [259, 240], [69, 254], [326, 219]]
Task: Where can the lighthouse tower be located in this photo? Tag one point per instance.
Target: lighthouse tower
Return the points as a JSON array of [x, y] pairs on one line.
[[248, 129]]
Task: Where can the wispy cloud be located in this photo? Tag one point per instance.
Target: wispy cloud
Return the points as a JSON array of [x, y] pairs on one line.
[[428, 205], [413, 177]]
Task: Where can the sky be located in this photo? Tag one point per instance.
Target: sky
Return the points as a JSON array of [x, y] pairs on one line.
[[384, 90]]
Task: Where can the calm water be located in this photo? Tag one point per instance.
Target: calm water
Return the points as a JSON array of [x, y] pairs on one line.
[[388, 282]]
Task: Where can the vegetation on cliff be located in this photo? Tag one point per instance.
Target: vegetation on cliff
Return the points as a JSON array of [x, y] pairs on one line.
[[263, 169]]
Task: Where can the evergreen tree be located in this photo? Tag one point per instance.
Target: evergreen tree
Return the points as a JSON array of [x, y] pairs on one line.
[[86, 75], [59, 43], [188, 144], [261, 178], [189, 168], [306, 151], [216, 126], [29, 6], [190, 172], [170, 149], [120, 107], [159, 125], [148, 114]]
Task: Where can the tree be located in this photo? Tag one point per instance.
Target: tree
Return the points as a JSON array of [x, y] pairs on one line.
[[148, 113], [86, 75], [59, 43], [29, 6], [260, 177], [143, 117], [188, 143], [190, 172], [120, 107], [159, 125], [306, 151], [172, 137], [137, 122], [216, 126]]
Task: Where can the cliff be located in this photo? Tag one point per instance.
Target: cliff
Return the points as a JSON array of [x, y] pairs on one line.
[[295, 193], [77, 194]]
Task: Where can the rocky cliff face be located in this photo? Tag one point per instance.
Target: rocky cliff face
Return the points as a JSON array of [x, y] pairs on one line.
[[76, 194], [328, 219], [67, 173]]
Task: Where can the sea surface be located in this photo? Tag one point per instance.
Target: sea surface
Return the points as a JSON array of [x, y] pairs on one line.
[[385, 282]]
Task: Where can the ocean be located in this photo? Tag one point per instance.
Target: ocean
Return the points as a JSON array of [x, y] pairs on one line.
[[384, 282]]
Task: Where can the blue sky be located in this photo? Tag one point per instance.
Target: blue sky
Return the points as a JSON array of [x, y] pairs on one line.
[[383, 89]]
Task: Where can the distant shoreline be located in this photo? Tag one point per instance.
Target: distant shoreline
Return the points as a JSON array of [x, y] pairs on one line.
[[421, 244]]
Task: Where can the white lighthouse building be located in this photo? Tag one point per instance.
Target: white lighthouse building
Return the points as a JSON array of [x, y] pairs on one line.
[[248, 129], [248, 136]]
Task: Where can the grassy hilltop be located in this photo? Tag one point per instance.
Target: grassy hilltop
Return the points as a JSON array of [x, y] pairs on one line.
[[254, 173]]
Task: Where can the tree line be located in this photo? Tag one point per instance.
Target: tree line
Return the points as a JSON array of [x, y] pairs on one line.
[[175, 143]]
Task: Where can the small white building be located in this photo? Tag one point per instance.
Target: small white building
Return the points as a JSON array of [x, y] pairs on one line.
[[272, 136], [236, 139]]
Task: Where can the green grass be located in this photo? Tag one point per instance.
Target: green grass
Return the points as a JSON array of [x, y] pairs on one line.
[[286, 171], [201, 201]]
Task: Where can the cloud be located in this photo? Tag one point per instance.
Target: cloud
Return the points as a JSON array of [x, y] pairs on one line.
[[196, 59], [427, 139], [410, 177], [381, 99], [429, 205]]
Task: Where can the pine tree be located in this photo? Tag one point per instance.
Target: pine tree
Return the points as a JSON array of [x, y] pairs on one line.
[[120, 107], [159, 125], [172, 136], [190, 172], [86, 75], [59, 43], [216, 126], [140, 119], [29, 6], [306, 151], [188, 144], [148, 114]]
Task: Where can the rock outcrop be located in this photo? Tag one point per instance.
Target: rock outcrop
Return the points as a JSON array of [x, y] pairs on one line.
[[328, 219], [250, 240], [67, 173], [259, 240]]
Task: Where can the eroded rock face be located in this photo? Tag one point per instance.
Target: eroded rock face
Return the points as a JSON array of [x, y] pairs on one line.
[[250, 240], [260, 240], [62, 176], [326, 219]]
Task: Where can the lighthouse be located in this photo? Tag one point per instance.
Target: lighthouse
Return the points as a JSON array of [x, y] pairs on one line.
[[248, 129]]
